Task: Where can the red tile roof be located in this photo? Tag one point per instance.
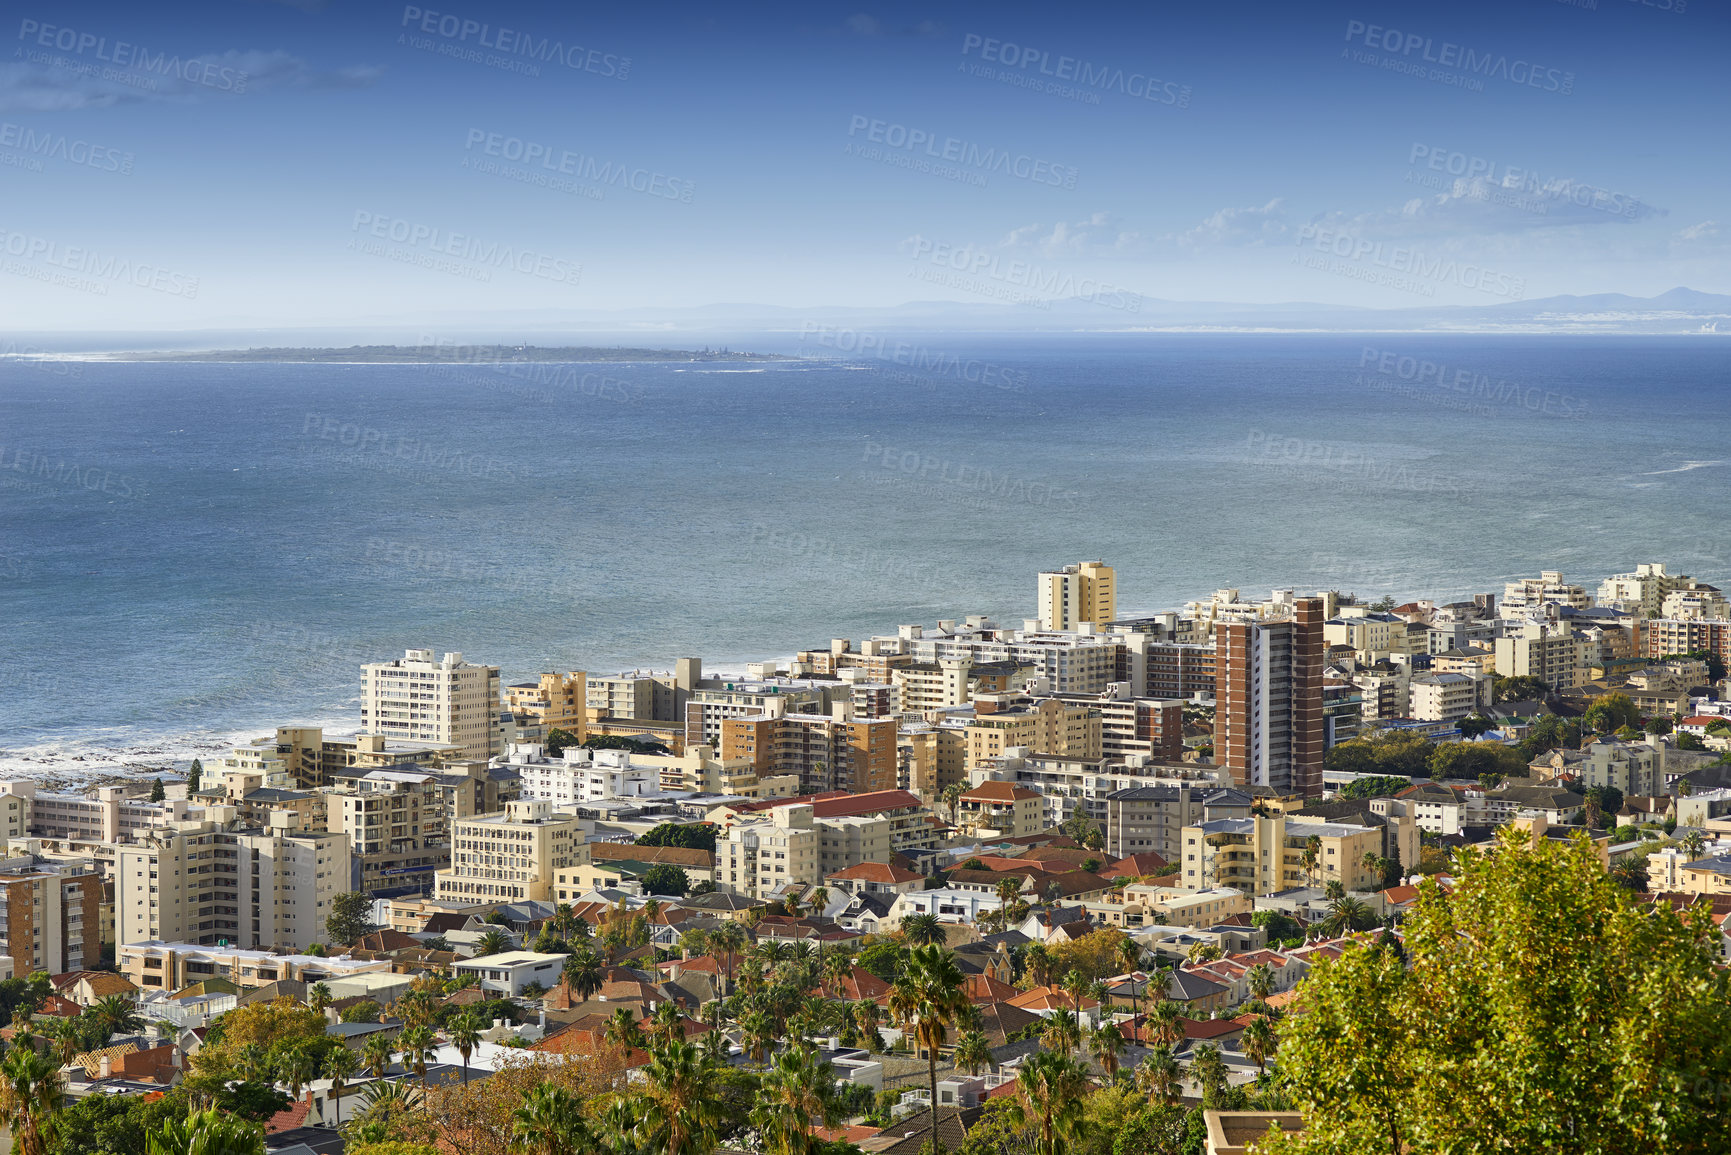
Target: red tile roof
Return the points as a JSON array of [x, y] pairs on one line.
[[1050, 999], [999, 792], [876, 872]]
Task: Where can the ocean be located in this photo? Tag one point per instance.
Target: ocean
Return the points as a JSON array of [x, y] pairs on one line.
[[193, 554]]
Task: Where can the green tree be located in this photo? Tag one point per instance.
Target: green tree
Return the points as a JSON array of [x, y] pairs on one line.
[[558, 738], [926, 1001], [679, 1114], [464, 1033], [690, 835], [1379, 787], [116, 1015], [1541, 1009], [492, 942], [206, 1133], [922, 930], [340, 1066], [364, 1011], [195, 777], [157, 793], [883, 959], [973, 1052], [1475, 726], [1519, 689], [798, 1092], [583, 972], [350, 917], [29, 1096], [416, 1045], [1611, 712], [663, 878], [1049, 1089], [550, 1121], [1687, 741]]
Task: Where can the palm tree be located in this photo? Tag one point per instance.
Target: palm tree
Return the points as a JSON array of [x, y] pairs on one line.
[[1106, 1044], [1008, 889], [769, 952], [1209, 1071], [253, 1063], [1311, 856], [926, 999], [117, 1015], [622, 1029], [376, 1055], [298, 1069], [1039, 961], [866, 1016], [818, 900], [1130, 954], [952, 797], [1075, 983], [1062, 1032], [1163, 1022], [550, 1121], [973, 1052], [464, 1032], [1348, 914], [1334, 890], [29, 1096], [416, 1043], [208, 1132], [667, 1024], [1261, 980], [1372, 863], [493, 942], [758, 1034], [1158, 1075], [1695, 843], [319, 997], [1259, 1042], [922, 930], [583, 973], [339, 1066], [729, 938], [680, 1112], [797, 1091], [1050, 1086]]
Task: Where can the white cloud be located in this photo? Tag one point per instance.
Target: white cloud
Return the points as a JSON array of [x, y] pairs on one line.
[[1098, 235], [35, 87], [1234, 228]]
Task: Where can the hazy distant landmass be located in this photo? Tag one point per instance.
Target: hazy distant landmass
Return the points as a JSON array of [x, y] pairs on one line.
[[437, 354]]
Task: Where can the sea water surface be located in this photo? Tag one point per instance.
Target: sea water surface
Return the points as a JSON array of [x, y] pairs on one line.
[[193, 553]]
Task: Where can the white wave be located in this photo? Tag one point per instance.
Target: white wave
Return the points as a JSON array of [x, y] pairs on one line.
[[1683, 468]]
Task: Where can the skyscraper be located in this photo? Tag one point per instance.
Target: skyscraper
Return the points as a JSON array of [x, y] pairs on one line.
[[1268, 728], [417, 698], [1084, 592]]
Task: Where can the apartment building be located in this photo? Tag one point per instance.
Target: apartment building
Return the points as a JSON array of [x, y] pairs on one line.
[[1443, 809], [1643, 591], [911, 825], [1082, 594], [552, 701], [1268, 727], [310, 759], [834, 751], [447, 701], [202, 882], [511, 855], [1151, 819], [1065, 726], [1069, 786], [932, 757], [1661, 636], [707, 707], [645, 696], [995, 810], [51, 914], [397, 826], [168, 966], [1548, 651], [759, 857], [1263, 855], [1526, 594], [1133, 727], [581, 775], [1438, 697], [107, 814]]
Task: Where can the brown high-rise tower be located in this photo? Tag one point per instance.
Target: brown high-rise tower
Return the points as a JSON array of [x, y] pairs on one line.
[[1268, 700]]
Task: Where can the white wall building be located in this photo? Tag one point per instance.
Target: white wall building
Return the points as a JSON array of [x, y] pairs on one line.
[[447, 701]]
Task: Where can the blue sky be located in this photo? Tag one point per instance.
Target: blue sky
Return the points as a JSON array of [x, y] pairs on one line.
[[250, 163]]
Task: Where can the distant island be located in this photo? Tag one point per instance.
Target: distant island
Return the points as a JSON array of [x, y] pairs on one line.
[[444, 354]]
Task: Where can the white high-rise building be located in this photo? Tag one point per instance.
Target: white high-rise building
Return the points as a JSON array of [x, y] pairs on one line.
[[416, 698]]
